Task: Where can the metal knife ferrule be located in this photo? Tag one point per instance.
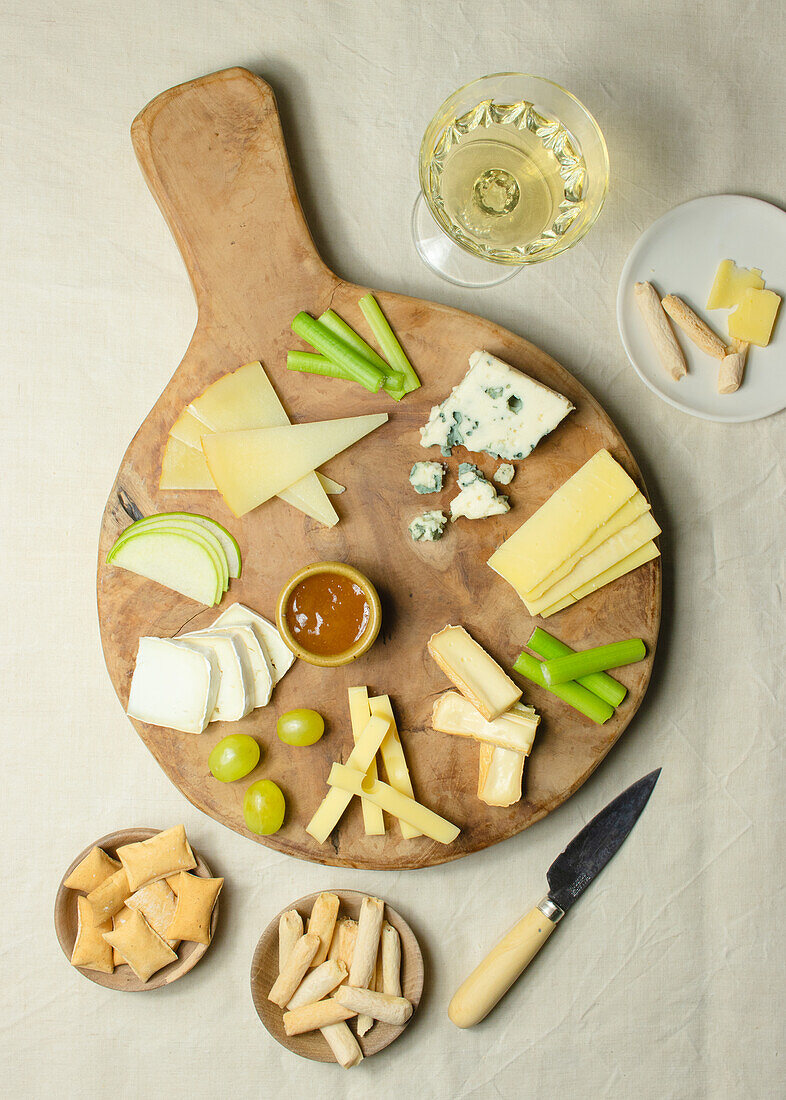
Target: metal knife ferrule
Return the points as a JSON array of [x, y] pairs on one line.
[[551, 910]]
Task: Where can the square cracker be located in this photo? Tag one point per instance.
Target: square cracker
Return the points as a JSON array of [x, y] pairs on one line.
[[196, 898], [159, 856], [141, 947], [91, 951], [91, 871]]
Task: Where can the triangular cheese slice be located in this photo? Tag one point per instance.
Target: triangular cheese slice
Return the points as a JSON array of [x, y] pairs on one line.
[[246, 399], [251, 467], [188, 429], [183, 468]]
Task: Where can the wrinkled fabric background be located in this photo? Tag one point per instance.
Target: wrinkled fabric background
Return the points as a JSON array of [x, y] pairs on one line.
[[667, 980]]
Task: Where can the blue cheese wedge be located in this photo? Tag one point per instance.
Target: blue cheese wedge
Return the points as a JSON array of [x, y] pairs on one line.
[[478, 498], [427, 527], [426, 477], [504, 474], [495, 408]]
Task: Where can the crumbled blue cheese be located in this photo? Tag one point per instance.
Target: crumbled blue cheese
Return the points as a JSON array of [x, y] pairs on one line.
[[504, 474], [426, 477], [495, 408], [428, 527], [478, 498]]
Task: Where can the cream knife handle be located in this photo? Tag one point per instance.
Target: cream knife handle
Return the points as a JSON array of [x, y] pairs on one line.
[[493, 977]]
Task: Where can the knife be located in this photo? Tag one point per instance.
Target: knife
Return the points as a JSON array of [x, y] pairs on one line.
[[568, 877]]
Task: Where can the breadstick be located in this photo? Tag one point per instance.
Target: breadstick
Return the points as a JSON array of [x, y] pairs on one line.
[[294, 968], [342, 947], [315, 1016], [321, 923], [732, 367], [364, 956], [694, 328], [390, 1010], [391, 961], [661, 332], [345, 1047], [364, 1023], [290, 929], [317, 984]]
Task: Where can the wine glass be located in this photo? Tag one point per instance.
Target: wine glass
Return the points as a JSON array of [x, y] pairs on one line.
[[513, 171]]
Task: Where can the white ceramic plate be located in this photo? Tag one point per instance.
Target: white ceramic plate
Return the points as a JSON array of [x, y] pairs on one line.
[[679, 254]]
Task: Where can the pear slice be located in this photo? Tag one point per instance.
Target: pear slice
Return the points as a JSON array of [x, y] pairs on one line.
[[199, 534], [228, 542], [173, 558]]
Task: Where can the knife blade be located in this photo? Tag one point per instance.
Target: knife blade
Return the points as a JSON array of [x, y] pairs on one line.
[[568, 877]]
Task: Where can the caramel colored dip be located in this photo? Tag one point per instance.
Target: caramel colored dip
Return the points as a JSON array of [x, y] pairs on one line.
[[327, 613]]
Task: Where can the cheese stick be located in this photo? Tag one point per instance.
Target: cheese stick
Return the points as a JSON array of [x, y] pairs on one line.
[[317, 984], [321, 923], [391, 961], [661, 332], [396, 803], [345, 1047], [332, 806], [392, 752], [694, 328], [290, 929], [500, 775], [315, 1016], [295, 967], [732, 367], [359, 714], [365, 955], [382, 1006]]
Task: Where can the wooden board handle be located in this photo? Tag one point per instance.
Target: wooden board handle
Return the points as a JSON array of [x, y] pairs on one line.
[[213, 155], [494, 976]]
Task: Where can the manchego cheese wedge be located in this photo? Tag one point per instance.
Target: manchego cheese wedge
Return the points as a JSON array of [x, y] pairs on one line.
[[250, 467], [183, 468]]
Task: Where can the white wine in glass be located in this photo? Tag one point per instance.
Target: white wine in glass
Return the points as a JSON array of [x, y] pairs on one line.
[[513, 171]]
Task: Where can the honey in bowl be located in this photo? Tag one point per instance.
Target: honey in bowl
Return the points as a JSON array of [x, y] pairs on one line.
[[327, 613]]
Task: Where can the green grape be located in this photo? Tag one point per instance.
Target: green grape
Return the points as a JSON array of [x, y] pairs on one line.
[[264, 807], [233, 757], [300, 727]]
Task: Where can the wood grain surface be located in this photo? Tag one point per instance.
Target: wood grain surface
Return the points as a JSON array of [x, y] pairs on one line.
[[214, 157], [264, 971]]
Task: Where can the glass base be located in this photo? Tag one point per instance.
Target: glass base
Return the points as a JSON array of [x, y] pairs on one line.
[[449, 260]]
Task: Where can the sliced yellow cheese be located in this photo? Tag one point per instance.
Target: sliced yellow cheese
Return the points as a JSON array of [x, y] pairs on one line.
[[392, 753], [477, 675], [630, 511], [515, 729], [753, 319], [188, 429], [336, 801], [393, 802], [359, 714], [250, 467], [246, 399], [183, 468], [501, 772], [639, 557], [564, 523], [730, 284], [606, 555], [331, 487]]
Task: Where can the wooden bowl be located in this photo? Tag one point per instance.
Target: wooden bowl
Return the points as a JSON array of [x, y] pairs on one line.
[[123, 977], [264, 971]]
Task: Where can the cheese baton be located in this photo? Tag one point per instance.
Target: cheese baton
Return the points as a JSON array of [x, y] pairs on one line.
[[359, 714], [394, 802], [393, 758], [336, 801]]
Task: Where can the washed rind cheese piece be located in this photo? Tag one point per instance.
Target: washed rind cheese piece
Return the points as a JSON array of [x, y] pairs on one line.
[[476, 674], [427, 477], [91, 871], [157, 857], [280, 655], [514, 730], [183, 468], [196, 899], [156, 902], [141, 947], [427, 527], [235, 698], [250, 467], [478, 497], [646, 553], [174, 685], [91, 951], [564, 523], [753, 319], [501, 773], [495, 408], [256, 660], [110, 897], [730, 284]]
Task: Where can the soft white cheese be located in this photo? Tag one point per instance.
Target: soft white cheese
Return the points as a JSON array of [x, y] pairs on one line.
[[256, 656], [236, 687], [495, 408], [478, 498], [279, 654], [173, 685]]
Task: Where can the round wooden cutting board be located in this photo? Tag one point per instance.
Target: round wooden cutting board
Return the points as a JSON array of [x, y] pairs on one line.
[[213, 155]]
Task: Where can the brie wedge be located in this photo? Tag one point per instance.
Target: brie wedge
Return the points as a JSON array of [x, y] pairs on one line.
[[173, 685], [256, 658], [279, 654], [236, 683]]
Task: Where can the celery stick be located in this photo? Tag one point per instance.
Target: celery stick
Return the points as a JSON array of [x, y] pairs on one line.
[[356, 366], [561, 669], [394, 380], [308, 363], [599, 683], [386, 338], [571, 693]]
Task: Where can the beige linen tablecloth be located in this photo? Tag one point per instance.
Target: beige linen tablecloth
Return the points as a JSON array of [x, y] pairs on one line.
[[667, 980]]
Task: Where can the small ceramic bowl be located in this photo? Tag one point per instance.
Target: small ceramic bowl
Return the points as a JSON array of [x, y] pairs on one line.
[[366, 639]]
